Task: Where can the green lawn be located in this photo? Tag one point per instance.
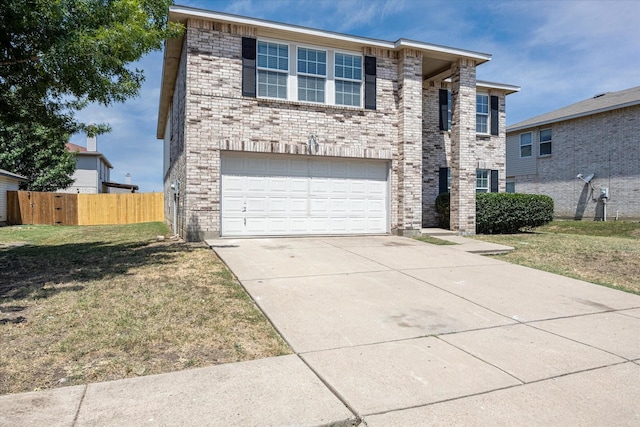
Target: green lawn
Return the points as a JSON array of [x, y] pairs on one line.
[[607, 253], [88, 304]]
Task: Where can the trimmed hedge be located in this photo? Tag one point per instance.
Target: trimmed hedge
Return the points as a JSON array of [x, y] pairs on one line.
[[501, 213]]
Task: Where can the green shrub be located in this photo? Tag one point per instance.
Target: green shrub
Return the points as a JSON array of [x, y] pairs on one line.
[[500, 213], [442, 209]]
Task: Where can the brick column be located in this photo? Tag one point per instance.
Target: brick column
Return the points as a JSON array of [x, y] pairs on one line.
[[463, 138], [410, 142]]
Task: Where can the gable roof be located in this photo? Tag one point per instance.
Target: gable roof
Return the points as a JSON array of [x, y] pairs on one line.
[[75, 148], [8, 174], [598, 104]]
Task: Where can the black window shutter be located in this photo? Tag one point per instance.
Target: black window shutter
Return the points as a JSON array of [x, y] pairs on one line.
[[249, 67], [370, 82], [444, 109], [494, 115], [494, 181], [442, 181]]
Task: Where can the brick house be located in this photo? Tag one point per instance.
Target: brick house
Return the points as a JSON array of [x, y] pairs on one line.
[[585, 156], [275, 129]]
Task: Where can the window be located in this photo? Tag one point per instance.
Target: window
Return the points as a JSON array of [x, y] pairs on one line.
[[482, 180], [348, 79], [511, 187], [545, 142], [312, 71], [288, 71], [482, 113], [525, 144], [273, 68]]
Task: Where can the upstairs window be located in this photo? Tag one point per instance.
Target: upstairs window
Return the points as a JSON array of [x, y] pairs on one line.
[[545, 142], [482, 113], [293, 72], [348, 79], [273, 69], [312, 73], [525, 144]]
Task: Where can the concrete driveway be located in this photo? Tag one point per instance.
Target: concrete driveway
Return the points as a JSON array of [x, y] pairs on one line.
[[389, 331], [407, 333]]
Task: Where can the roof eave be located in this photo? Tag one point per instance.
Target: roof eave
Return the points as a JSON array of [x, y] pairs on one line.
[[516, 127], [509, 89], [8, 174]]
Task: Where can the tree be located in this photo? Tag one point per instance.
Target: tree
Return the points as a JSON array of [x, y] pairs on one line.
[[56, 56]]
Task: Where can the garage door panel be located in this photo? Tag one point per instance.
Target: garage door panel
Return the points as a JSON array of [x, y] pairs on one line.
[[234, 226], [278, 185], [299, 225], [298, 206], [257, 204], [358, 206], [282, 195], [233, 184], [278, 204], [299, 185], [320, 186]]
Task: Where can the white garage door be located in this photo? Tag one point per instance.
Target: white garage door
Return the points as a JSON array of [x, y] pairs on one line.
[[279, 195]]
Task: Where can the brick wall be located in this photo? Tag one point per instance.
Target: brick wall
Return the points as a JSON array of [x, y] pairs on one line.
[[218, 118], [463, 144], [410, 141], [403, 130], [607, 144]]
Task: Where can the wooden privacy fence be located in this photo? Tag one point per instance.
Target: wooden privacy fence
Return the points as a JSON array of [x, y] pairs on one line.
[[31, 207]]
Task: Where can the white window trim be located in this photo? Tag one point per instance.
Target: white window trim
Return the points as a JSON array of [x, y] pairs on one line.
[[292, 79], [258, 68], [540, 142], [486, 189], [317, 76], [520, 145], [488, 114], [334, 78]]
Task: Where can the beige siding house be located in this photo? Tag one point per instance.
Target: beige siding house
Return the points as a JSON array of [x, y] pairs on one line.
[[92, 169], [8, 182], [586, 156], [272, 129]]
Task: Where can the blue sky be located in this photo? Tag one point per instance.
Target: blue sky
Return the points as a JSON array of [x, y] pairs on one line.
[[559, 52]]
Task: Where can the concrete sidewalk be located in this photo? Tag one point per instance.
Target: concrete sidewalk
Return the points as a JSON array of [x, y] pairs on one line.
[[390, 331], [466, 244]]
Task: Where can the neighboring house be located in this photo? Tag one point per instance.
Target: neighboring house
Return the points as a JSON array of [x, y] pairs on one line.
[[585, 156], [275, 129], [92, 172], [8, 182]]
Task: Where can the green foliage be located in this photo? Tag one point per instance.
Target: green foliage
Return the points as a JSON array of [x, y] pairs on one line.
[[499, 213], [59, 55], [36, 151], [442, 209]]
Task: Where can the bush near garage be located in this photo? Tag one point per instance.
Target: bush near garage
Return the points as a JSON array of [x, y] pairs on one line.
[[502, 213]]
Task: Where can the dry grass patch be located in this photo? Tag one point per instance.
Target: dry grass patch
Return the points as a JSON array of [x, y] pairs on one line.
[[87, 304], [606, 253]]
